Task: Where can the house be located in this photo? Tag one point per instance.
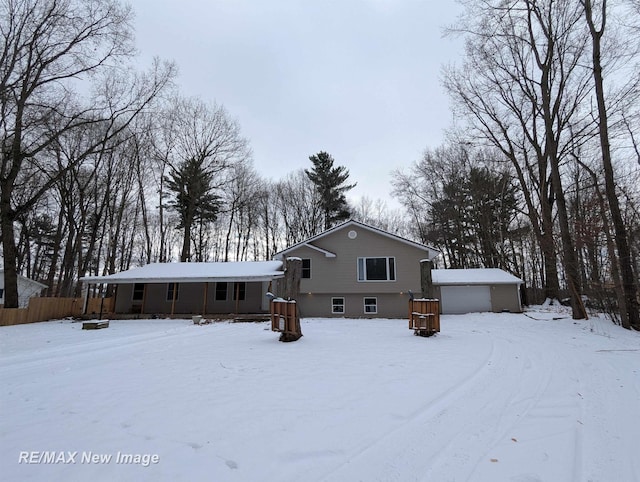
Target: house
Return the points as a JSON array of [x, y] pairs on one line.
[[351, 270], [356, 270], [193, 288], [476, 290], [27, 288]]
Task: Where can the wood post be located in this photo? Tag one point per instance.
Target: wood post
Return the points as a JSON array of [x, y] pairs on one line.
[[292, 277], [204, 302], [426, 282], [173, 301]]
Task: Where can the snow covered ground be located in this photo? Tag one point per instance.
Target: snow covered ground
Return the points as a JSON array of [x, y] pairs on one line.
[[494, 397]]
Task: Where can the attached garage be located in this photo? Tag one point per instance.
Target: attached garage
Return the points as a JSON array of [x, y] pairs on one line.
[[477, 290]]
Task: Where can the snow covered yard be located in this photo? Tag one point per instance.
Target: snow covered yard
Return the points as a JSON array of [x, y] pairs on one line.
[[494, 397]]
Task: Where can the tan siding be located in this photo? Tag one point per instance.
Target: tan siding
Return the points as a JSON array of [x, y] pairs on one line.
[[191, 299], [390, 305], [505, 297], [339, 274], [124, 295]]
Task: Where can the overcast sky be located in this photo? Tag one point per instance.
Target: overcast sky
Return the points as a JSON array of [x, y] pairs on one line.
[[359, 79]]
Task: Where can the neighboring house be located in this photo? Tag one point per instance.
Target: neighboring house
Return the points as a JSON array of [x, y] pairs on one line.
[[27, 288], [356, 270], [476, 290], [193, 288]]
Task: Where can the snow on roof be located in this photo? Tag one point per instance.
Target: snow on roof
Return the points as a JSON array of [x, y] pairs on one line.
[[24, 279], [194, 273], [474, 276]]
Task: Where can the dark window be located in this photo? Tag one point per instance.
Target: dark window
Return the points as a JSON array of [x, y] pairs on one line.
[[239, 291], [376, 269], [221, 291], [370, 305], [138, 292], [337, 305], [170, 291], [306, 268]]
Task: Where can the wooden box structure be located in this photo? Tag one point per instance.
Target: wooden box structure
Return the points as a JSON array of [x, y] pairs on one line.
[[424, 316], [95, 325], [284, 319]]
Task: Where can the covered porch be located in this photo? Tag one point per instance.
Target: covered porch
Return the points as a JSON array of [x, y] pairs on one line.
[[208, 289]]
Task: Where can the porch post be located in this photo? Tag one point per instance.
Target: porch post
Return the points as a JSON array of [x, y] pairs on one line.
[[173, 301], [85, 303], [204, 302]]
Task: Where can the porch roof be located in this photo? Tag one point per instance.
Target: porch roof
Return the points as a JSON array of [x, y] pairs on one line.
[[194, 273]]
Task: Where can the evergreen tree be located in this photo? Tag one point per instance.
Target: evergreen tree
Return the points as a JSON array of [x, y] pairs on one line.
[[330, 184], [193, 198]]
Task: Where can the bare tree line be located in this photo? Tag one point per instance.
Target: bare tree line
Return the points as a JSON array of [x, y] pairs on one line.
[[105, 168], [550, 88]]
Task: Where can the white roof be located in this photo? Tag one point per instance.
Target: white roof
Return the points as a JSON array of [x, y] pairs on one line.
[[24, 279], [194, 273], [473, 276]]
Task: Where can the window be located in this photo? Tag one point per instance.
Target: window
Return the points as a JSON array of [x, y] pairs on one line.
[[138, 292], [306, 268], [371, 305], [1, 293], [337, 305], [377, 269], [170, 289], [221, 291], [239, 291]]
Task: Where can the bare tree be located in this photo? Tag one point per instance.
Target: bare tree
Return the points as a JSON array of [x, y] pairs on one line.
[[298, 203], [209, 141], [48, 48], [522, 88], [597, 22]]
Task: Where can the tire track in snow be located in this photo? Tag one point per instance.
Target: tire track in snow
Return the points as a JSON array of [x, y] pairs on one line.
[[426, 446], [531, 407], [427, 411]]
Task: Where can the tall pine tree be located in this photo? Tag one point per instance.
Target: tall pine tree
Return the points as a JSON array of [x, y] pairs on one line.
[[330, 184], [193, 198]]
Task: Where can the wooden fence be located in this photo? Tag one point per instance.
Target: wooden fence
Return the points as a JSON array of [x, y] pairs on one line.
[[44, 309]]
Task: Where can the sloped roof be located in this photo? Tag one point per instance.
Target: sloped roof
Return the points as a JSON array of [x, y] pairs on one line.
[[473, 276], [431, 252], [25, 280], [194, 273]]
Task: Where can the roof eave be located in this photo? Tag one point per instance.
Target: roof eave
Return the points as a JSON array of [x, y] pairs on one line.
[[160, 280]]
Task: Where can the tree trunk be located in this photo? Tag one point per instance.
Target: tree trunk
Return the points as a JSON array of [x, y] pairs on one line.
[[426, 282], [9, 254], [292, 277], [186, 243], [569, 258], [622, 244]]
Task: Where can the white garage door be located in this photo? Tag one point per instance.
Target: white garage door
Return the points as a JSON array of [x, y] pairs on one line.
[[465, 299]]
